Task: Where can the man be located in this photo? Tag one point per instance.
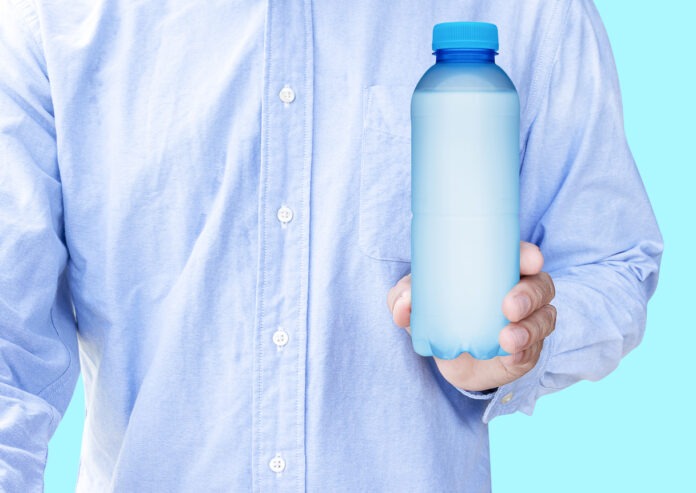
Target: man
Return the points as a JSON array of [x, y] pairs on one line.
[[211, 201]]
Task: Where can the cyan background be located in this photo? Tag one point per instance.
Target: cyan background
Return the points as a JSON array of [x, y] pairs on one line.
[[633, 431]]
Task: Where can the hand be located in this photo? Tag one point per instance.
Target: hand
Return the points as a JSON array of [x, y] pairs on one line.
[[531, 317]]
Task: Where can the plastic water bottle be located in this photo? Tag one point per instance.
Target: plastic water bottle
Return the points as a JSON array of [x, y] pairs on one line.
[[465, 195]]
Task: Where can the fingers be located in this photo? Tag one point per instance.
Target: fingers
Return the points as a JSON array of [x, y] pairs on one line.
[[525, 347], [531, 259], [468, 373], [520, 336], [399, 301], [402, 309], [516, 365], [530, 294]]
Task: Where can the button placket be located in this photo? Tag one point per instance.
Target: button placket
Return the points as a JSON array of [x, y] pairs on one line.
[[282, 290]]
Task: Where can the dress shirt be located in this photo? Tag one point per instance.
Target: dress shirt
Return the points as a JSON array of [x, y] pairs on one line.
[[203, 206]]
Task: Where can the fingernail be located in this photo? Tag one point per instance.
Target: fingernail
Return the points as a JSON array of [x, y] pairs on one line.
[[520, 336], [524, 303]]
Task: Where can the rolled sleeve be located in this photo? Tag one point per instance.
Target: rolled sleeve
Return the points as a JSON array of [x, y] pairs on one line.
[[38, 339], [583, 202]]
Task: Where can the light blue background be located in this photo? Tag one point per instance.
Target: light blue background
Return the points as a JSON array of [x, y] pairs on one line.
[[634, 430]]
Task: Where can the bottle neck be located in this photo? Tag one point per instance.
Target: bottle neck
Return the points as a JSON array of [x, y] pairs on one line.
[[460, 55]]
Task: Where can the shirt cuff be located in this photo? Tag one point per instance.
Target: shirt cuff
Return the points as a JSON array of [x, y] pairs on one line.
[[518, 395], [479, 394]]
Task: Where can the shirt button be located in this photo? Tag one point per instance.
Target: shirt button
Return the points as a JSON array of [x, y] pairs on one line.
[[280, 338], [287, 95], [285, 215], [506, 398], [277, 464]]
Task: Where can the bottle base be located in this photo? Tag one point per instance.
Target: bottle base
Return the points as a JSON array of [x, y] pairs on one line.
[[424, 348]]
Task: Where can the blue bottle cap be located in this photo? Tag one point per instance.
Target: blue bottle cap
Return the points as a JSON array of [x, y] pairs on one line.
[[465, 35]]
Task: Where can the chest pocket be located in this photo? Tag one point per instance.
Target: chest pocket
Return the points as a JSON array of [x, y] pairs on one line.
[[385, 174]]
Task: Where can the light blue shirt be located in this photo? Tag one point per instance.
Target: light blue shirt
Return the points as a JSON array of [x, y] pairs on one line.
[[203, 206]]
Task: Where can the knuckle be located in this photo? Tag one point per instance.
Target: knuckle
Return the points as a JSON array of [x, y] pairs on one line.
[[532, 325], [528, 325], [539, 293], [553, 314], [532, 356], [549, 314], [549, 287], [521, 358], [539, 324], [537, 290]]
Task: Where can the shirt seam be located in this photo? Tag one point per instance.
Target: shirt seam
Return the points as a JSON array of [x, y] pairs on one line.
[[303, 301], [31, 25], [540, 81], [59, 382], [257, 433]]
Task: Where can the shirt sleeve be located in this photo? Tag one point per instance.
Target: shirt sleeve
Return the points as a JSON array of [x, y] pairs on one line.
[[39, 365], [583, 202]]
